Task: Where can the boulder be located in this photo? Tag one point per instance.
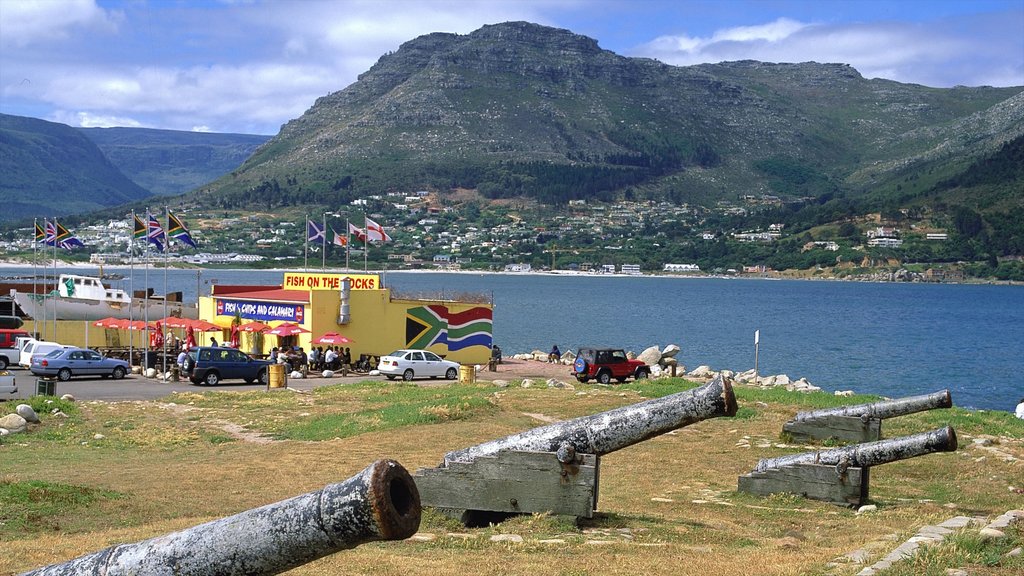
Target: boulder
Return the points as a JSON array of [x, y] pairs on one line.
[[782, 380], [26, 412], [555, 383], [667, 361], [295, 374], [527, 383], [150, 372], [500, 383], [670, 351], [702, 371], [327, 374], [14, 423], [67, 398], [650, 356], [5, 432]]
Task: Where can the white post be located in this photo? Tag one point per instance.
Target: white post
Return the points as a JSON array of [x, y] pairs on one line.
[[757, 341]]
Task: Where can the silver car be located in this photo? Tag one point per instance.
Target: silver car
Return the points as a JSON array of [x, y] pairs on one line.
[[67, 362], [409, 364]]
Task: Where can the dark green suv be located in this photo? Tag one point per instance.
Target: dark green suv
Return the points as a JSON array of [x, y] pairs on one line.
[[209, 365]]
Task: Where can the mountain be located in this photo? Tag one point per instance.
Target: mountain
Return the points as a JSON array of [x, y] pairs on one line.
[[167, 162], [51, 169], [522, 110]]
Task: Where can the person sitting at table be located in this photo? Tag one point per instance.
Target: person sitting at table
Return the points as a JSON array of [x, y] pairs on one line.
[[273, 355], [346, 357], [331, 359], [314, 358]]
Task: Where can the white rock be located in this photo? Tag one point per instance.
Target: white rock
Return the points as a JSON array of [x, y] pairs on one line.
[[670, 351], [26, 412], [845, 393], [295, 374], [373, 373], [867, 508], [327, 374], [5, 432], [500, 383], [700, 371], [527, 383], [68, 398], [781, 380], [150, 372], [650, 356], [507, 538], [98, 436], [14, 423]]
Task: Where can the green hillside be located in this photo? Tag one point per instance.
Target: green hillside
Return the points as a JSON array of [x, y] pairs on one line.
[[51, 169]]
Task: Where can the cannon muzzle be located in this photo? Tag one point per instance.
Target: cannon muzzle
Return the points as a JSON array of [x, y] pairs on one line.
[[884, 408], [379, 503], [616, 429], [871, 453]]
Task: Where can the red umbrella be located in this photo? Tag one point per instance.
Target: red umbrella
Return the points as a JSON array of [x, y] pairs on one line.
[[190, 338], [176, 322], [254, 327], [204, 326], [110, 322], [333, 338], [137, 325], [288, 329]]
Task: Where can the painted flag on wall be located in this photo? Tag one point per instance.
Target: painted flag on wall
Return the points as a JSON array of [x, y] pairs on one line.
[[375, 232], [176, 229], [339, 240], [314, 232], [156, 234], [356, 231]]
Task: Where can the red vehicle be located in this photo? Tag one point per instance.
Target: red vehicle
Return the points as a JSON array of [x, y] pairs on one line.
[[603, 364], [9, 353]]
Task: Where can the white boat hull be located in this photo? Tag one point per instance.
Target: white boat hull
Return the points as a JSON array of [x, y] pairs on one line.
[[70, 308]]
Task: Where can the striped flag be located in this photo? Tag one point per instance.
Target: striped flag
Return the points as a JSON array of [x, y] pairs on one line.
[[41, 235], [375, 232], [156, 234], [356, 231], [139, 231], [176, 229], [339, 240], [65, 239]]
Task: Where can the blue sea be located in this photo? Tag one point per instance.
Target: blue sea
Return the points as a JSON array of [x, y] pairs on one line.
[[881, 338]]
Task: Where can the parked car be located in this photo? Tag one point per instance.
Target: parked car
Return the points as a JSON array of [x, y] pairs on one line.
[[39, 348], [209, 365], [9, 352], [603, 364], [67, 362], [411, 364]]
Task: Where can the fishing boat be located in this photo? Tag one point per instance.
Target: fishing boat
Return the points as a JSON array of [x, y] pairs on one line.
[[87, 298]]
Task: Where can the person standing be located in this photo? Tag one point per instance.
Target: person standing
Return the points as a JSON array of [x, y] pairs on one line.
[[555, 355], [213, 342], [1019, 412]]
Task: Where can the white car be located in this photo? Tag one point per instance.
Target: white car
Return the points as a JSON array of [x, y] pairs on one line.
[[409, 364]]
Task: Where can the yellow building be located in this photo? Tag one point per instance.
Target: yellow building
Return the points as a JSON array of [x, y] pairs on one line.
[[355, 306]]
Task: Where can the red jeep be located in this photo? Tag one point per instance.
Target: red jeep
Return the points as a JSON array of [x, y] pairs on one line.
[[603, 364]]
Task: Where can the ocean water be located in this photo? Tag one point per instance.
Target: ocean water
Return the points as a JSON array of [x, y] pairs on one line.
[[881, 338]]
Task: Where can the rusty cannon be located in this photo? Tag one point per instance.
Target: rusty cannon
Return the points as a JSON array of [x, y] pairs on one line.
[[554, 468], [379, 503], [860, 423], [840, 475]]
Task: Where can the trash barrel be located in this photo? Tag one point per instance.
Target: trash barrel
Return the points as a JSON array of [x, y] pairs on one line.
[[467, 374], [46, 387], [276, 377]]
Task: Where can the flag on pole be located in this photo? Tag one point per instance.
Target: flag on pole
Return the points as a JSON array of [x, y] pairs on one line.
[[156, 234], [50, 238], [65, 239], [339, 240], [176, 229], [314, 232], [356, 231], [41, 234], [375, 232], [139, 231]]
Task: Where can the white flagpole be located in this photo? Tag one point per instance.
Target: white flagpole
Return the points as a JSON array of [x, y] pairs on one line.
[[35, 273], [305, 250], [323, 241], [131, 289], [757, 342], [167, 248], [145, 298], [348, 241], [366, 240], [56, 286]]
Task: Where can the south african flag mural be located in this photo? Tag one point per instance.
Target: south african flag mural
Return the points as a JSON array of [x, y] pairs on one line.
[[426, 326]]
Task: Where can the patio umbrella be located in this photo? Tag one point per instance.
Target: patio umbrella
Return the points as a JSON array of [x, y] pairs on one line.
[[204, 326], [287, 329], [110, 322], [176, 322], [137, 325], [254, 327], [333, 338]]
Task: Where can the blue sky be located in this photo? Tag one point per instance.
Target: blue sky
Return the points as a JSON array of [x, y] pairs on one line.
[[249, 66]]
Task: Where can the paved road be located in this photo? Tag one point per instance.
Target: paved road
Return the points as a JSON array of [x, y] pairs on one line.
[[137, 387]]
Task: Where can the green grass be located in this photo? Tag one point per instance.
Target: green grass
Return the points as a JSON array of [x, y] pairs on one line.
[[37, 506], [966, 550], [392, 406]]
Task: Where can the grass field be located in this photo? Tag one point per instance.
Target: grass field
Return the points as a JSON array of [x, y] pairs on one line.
[[110, 473]]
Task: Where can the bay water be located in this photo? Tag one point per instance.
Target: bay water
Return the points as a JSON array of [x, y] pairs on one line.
[[893, 339]]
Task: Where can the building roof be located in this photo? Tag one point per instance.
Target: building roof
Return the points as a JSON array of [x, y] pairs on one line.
[[272, 293]]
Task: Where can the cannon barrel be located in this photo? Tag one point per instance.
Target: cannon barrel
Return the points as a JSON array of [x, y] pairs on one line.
[[615, 429], [884, 408], [871, 453], [379, 503]]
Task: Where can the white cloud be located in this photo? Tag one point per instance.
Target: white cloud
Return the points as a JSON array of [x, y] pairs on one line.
[[27, 22], [90, 120], [939, 53]]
